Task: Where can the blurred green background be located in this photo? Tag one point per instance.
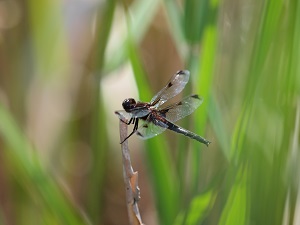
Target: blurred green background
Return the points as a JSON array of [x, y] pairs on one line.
[[65, 66]]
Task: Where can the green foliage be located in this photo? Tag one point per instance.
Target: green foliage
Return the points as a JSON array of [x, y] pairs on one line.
[[243, 57], [33, 177], [199, 207], [235, 210]]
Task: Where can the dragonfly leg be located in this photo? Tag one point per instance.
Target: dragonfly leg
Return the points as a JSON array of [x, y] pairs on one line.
[[131, 121], [136, 125]]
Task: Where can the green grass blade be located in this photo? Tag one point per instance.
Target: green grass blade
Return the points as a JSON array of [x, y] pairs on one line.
[[30, 175], [175, 19], [195, 19], [199, 207], [142, 13], [217, 122], [48, 38], [99, 137], [157, 152], [235, 211], [204, 82], [263, 130]]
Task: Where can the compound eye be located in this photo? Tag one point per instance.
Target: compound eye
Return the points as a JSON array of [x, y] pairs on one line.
[[128, 104]]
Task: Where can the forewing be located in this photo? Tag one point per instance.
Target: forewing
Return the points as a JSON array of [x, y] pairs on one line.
[[182, 108], [148, 129], [173, 88]]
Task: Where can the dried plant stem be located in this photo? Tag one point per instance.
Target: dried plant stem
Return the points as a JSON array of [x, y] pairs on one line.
[[130, 180]]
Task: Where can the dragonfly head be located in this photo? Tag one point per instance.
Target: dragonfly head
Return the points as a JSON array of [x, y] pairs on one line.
[[128, 104]]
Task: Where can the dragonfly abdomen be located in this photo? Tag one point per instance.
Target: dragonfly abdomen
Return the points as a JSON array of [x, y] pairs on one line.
[[180, 130]]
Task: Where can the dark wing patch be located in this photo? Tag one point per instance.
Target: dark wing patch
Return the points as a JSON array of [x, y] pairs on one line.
[[173, 88], [170, 84]]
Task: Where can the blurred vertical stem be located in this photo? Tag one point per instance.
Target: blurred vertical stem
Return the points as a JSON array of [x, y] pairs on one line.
[[143, 12], [294, 84], [99, 141], [175, 21], [194, 31], [157, 152], [205, 79], [49, 43], [204, 82]]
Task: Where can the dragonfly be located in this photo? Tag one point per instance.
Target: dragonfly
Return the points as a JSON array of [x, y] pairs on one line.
[[152, 118]]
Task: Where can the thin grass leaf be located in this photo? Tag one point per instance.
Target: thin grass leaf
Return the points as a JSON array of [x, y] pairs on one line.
[[235, 211], [49, 38], [195, 19], [99, 139], [199, 207], [157, 152], [32, 177], [175, 19], [204, 82], [141, 13], [239, 134], [217, 122]]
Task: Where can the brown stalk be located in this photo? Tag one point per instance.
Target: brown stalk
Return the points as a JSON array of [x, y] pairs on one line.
[[130, 180]]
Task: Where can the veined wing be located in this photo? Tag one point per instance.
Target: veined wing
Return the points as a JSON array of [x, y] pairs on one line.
[[182, 108], [172, 113], [148, 129], [173, 88]]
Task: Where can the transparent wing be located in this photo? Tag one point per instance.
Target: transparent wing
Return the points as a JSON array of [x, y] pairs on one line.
[[172, 113], [173, 88], [148, 129], [181, 109]]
